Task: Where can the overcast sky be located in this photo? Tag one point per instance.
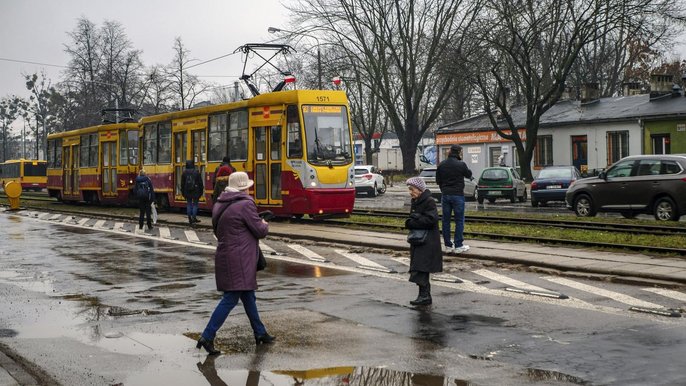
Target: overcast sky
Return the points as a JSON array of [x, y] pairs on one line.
[[36, 31]]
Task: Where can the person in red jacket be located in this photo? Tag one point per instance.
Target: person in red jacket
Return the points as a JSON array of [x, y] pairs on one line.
[[239, 227]]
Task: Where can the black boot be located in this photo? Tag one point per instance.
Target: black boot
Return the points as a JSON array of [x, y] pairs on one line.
[[190, 220], [266, 338], [424, 298], [419, 296], [195, 219], [207, 345]]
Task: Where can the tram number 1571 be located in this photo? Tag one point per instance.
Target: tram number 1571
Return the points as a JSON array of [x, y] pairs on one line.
[[322, 99]]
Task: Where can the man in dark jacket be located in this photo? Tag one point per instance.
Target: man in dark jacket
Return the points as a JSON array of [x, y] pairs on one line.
[[450, 176], [192, 189], [145, 193]]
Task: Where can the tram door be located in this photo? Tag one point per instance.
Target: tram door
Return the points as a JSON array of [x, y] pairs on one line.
[[180, 142], [199, 152], [71, 170], [268, 165], [109, 168]]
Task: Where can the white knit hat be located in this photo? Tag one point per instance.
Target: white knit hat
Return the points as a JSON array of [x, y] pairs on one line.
[[417, 183], [240, 181]]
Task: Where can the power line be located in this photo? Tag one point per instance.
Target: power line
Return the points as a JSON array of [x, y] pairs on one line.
[[29, 62], [210, 60]]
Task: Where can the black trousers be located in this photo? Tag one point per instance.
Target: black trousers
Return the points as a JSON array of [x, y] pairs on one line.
[[144, 210]]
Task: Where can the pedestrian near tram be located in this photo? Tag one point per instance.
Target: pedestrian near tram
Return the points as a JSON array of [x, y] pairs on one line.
[[425, 257], [192, 189], [145, 193], [450, 176], [221, 179], [238, 229]]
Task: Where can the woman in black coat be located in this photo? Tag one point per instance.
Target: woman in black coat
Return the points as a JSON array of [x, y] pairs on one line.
[[427, 257]]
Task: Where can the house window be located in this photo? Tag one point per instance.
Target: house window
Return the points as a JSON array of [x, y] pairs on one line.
[[617, 146], [660, 143], [544, 151]]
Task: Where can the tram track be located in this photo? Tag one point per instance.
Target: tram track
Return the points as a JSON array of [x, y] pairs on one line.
[[657, 230], [650, 249]]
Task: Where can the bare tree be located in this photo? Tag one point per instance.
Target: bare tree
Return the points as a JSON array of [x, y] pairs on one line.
[[156, 91], [530, 48], [120, 74], [10, 110], [398, 46], [186, 86], [38, 106]]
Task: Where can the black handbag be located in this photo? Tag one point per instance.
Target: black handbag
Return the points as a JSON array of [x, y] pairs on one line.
[[261, 261], [417, 236]]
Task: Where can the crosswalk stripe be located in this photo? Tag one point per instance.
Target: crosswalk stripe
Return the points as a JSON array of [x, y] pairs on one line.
[[626, 299], [402, 260], [508, 281], [359, 259], [165, 233], [99, 224], [119, 227], [668, 293], [68, 219], [55, 217], [192, 237], [43, 215], [83, 221], [266, 248], [306, 252]]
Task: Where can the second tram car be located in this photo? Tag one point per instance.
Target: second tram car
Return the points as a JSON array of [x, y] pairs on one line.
[[94, 164], [30, 174], [296, 145]]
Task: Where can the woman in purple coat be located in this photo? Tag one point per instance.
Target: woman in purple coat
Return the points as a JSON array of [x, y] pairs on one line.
[[238, 229]]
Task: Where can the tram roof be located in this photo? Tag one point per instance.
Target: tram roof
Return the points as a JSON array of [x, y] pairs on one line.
[[94, 129], [11, 161], [272, 98]]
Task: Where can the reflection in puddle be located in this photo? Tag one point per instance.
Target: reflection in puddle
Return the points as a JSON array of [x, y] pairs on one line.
[[549, 375], [299, 270], [362, 376]]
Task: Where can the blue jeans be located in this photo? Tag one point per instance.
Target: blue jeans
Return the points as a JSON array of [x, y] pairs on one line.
[[192, 207], [453, 204], [228, 302]]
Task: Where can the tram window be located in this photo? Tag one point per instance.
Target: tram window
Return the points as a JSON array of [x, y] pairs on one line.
[[295, 147], [275, 145], [327, 134], [51, 154], [217, 141], [93, 150], [84, 150], [123, 149], [58, 153], [164, 143], [238, 136], [35, 170], [150, 144], [133, 146]]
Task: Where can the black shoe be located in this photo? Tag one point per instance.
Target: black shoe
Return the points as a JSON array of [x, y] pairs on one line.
[[207, 345], [421, 301], [149, 227], [195, 219], [266, 339], [140, 226]]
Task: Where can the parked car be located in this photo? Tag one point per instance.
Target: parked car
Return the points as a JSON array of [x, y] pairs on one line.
[[429, 177], [501, 182], [367, 179], [652, 184], [552, 183]]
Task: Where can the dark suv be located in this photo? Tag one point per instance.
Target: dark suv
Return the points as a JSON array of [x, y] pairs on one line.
[[652, 184]]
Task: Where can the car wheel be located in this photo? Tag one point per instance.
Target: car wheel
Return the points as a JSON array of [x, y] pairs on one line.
[[629, 215], [491, 200], [534, 203], [480, 200], [665, 210], [383, 188], [523, 197], [372, 193], [583, 206]]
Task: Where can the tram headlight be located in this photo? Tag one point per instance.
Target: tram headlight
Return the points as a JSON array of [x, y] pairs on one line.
[[313, 184]]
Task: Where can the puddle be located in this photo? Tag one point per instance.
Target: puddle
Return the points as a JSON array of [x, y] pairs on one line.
[[301, 271], [549, 375]]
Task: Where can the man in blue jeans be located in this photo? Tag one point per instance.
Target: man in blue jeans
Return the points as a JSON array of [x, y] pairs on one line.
[[450, 176]]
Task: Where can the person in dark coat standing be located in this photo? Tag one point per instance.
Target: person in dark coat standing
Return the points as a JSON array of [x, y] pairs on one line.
[[425, 258], [145, 193], [221, 181], [239, 228], [450, 176], [192, 189]]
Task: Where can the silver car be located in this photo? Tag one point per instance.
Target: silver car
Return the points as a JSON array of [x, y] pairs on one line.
[[471, 193]]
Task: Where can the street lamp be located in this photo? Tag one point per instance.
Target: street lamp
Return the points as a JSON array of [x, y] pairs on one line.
[[273, 30]]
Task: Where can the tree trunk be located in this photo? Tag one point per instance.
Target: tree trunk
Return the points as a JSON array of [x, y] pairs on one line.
[[368, 150]]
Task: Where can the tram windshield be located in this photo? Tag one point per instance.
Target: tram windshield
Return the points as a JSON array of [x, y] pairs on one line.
[[327, 135]]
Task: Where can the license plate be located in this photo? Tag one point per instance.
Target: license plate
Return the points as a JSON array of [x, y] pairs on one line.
[[494, 193], [554, 187]]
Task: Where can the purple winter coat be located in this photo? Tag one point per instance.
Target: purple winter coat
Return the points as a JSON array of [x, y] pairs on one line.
[[238, 229]]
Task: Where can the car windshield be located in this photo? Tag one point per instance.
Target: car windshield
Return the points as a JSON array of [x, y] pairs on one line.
[[555, 173], [327, 134], [495, 174], [428, 173]]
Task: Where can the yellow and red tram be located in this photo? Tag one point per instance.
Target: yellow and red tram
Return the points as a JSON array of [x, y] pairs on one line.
[[94, 164], [296, 145], [30, 174]]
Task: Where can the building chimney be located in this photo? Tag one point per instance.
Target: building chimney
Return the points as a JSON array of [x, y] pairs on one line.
[[589, 93], [631, 88], [660, 86]]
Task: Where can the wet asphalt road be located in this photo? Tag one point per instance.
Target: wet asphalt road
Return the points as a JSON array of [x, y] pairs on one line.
[[101, 308]]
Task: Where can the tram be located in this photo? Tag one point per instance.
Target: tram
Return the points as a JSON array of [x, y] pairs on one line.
[[30, 174], [96, 164], [296, 145]]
